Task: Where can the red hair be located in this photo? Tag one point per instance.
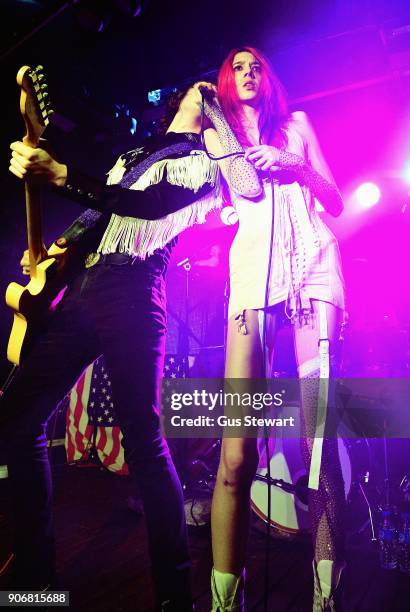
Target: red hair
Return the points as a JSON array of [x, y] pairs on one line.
[[271, 100]]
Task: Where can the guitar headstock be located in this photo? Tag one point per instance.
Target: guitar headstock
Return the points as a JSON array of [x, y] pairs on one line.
[[35, 105]]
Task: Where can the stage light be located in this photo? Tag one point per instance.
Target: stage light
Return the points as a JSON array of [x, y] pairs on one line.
[[154, 97], [406, 174], [158, 96], [133, 127], [367, 195], [95, 16], [124, 115], [130, 7]]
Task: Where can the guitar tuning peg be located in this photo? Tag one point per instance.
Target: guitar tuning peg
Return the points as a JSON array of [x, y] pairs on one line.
[[44, 86], [39, 68]]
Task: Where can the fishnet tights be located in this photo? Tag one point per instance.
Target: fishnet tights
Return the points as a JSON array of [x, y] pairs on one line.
[[327, 504]]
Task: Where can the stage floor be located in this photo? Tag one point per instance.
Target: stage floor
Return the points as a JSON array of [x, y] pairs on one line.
[[103, 561]]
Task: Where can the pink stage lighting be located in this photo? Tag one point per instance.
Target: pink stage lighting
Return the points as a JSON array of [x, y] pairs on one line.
[[367, 195], [406, 174]]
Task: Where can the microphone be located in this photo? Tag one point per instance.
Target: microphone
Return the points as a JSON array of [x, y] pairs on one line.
[[207, 94]]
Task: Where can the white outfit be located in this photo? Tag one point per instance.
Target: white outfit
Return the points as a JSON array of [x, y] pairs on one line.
[[305, 261]]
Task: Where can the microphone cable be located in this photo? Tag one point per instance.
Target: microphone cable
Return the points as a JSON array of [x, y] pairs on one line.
[[206, 95], [210, 156], [265, 428]]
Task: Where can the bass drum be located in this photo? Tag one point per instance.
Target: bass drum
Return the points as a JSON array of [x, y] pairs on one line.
[[289, 513]]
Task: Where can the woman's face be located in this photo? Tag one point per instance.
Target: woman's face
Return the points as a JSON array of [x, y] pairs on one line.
[[248, 76]]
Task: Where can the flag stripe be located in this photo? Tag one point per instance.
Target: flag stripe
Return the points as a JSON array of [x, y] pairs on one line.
[[91, 407]]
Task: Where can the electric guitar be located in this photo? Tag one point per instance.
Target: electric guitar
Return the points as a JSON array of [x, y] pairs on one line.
[[31, 303]]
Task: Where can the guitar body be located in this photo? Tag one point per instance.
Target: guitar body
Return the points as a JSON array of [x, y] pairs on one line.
[[32, 304]]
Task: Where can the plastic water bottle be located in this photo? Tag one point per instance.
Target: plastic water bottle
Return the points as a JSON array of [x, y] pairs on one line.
[[404, 543], [387, 540]]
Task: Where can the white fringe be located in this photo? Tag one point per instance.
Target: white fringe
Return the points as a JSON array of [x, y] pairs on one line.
[[117, 172], [140, 237]]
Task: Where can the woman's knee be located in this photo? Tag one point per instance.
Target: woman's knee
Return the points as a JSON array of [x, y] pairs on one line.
[[237, 467]]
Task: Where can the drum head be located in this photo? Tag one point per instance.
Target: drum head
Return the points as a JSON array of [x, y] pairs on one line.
[[289, 513]]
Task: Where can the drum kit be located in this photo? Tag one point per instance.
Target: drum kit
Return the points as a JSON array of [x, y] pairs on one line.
[[287, 480], [279, 495]]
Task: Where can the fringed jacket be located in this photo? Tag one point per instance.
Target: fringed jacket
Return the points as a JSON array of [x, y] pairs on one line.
[[152, 194]]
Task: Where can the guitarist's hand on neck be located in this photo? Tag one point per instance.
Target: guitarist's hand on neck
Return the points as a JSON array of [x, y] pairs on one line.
[[36, 164]]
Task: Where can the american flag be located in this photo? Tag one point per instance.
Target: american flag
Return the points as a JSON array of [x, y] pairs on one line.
[[175, 366], [91, 406]]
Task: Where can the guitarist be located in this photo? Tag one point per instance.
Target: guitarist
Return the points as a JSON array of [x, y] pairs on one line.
[[114, 304]]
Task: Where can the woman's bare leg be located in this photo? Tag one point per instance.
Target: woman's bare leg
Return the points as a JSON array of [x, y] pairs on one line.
[[239, 456]]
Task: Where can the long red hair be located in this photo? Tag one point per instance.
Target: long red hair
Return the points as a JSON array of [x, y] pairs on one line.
[[271, 100]]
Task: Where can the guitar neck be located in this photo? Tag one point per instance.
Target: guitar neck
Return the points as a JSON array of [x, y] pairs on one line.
[[34, 217], [35, 109], [34, 226]]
